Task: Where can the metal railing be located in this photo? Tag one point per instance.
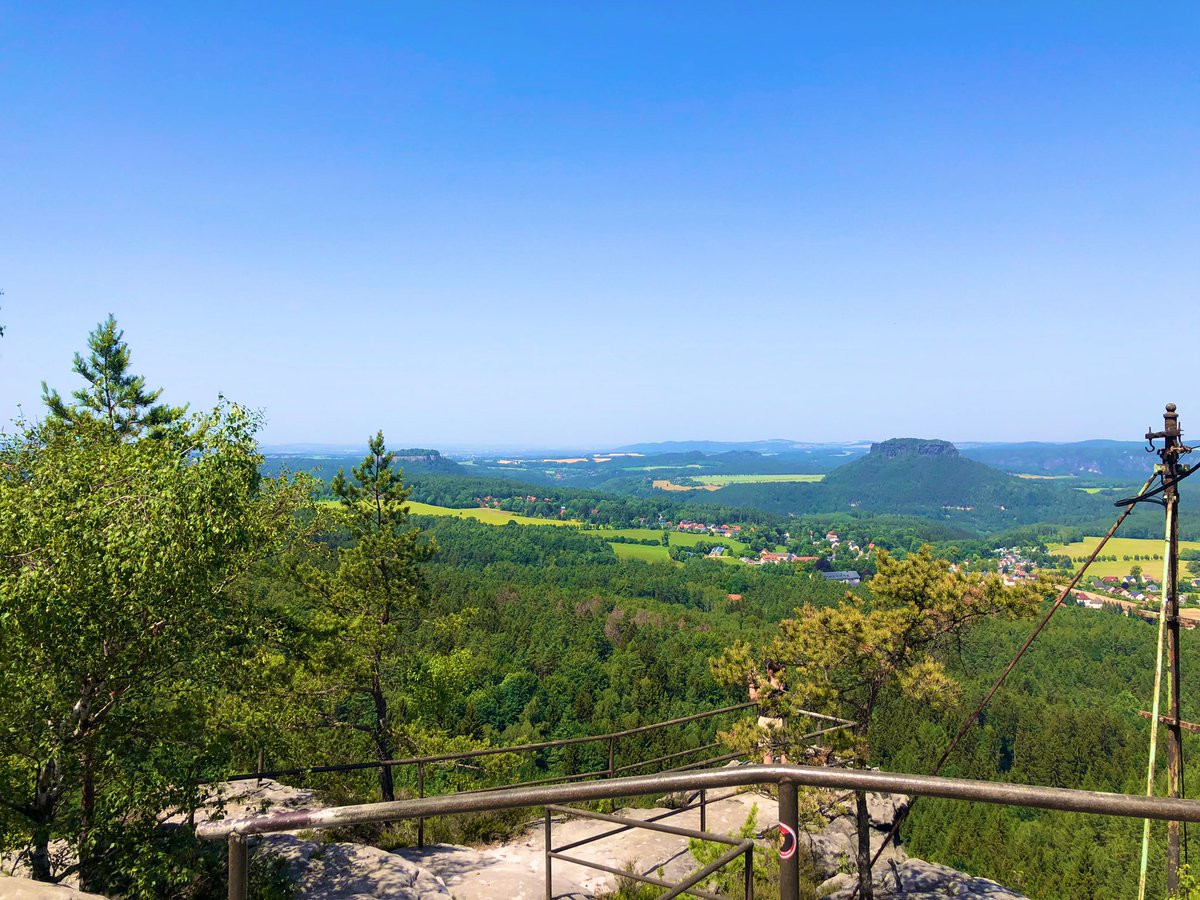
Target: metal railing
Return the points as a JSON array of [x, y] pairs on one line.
[[788, 778], [688, 885], [611, 770]]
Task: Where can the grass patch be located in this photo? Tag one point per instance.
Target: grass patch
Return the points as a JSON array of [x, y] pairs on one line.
[[641, 551], [678, 538]]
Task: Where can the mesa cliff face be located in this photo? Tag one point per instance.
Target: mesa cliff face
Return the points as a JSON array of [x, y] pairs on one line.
[[897, 447]]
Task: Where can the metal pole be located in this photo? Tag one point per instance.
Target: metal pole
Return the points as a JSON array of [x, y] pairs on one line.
[[549, 859], [703, 810], [749, 873], [1154, 717], [421, 794], [789, 865], [1170, 601], [239, 867]]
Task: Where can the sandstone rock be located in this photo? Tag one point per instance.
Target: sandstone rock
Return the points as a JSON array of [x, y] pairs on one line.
[[249, 798], [352, 871], [883, 808], [915, 879], [24, 889], [835, 847]]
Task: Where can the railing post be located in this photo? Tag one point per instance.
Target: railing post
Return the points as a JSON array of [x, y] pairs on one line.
[[612, 769], [549, 859], [703, 811], [421, 794], [239, 867], [750, 873], [789, 865]]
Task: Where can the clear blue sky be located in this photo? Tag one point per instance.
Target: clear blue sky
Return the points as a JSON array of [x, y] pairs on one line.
[[592, 223]]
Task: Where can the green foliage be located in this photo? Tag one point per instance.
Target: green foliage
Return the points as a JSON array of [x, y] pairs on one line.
[[839, 660], [1067, 717], [731, 877], [120, 625]]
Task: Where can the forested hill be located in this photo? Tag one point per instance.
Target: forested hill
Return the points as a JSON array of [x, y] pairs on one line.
[[1122, 461], [929, 478], [415, 461]]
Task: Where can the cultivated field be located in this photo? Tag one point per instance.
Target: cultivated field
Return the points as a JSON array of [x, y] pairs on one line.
[[662, 484], [490, 516], [1120, 548], [722, 480], [660, 468]]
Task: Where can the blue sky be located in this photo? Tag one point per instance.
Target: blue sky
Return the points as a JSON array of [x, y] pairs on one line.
[[588, 224]]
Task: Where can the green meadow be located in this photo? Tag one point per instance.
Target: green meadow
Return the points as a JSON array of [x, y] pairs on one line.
[[641, 551], [1120, 548], [678, 538]]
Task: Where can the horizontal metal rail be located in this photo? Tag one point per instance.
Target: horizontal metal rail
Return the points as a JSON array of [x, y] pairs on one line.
[[1064, 799], [648, 824], [620, 770], [520, 748], [787, 777], [607, 834]]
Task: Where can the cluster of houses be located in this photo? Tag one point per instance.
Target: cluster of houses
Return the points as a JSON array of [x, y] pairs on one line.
[[728, 531], [1144, 591], [766, 556], [835, 542], [1013, 565]]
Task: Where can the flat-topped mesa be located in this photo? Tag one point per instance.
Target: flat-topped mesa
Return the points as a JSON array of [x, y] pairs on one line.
[[896, 447]]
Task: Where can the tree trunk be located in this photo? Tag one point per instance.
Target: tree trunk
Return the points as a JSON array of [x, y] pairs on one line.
[[866, 888], [383, 742], [87, 873], [44, 804]]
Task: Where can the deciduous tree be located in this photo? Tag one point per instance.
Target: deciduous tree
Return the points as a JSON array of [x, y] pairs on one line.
[[118, 617]]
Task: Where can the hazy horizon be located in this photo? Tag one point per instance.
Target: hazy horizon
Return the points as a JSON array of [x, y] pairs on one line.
[[483, 447]]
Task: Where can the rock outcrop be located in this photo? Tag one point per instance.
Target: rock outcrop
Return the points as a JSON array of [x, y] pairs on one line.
[[896, 447], [13, 888]]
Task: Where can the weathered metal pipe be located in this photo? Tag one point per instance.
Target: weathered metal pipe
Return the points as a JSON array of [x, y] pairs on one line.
[[1064, 799]]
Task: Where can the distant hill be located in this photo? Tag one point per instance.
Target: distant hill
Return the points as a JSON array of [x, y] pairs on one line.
[[1123, 461], [771, 445], [928, 478], [414, 461]]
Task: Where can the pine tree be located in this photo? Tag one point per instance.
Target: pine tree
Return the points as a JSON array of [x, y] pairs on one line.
[[115, 396], [842, 660], [373, 599]]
